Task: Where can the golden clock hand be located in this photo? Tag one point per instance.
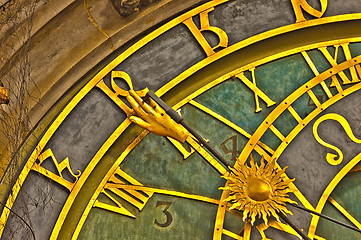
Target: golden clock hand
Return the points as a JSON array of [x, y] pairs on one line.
[[147, 111], [325, 217], [178, 119], [154, 119]]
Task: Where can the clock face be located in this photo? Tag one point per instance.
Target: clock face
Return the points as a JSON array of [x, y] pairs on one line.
[[288, 97]]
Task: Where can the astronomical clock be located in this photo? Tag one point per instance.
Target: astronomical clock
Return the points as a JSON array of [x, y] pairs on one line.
[[267, 146]]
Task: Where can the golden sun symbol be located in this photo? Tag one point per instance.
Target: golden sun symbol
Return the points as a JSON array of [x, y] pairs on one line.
[[258, 190]]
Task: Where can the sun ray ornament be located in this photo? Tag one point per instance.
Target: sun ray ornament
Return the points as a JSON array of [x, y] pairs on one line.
[[258, 190]]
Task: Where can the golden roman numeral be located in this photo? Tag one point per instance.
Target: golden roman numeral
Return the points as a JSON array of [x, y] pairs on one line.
[[299, 5], [257, 92], [117, 91], [134, 197], [333, 61], [315, 71], [114, 96], [164, 191], [60, 167], [234, 147], [186, 153], [197, 146], [205, 26], [277, 132], [295, 114], [231, 125], [116, 209]]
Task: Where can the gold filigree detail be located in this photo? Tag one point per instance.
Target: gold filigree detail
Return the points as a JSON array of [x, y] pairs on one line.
[[258, 190]]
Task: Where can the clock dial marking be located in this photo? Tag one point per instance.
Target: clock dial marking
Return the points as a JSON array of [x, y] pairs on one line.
[[120, 209], [310, 63], [287, 102], [60, 167], [314, 98], [299, 5], [169, 217], [315, 71], [135, 198], [214, 163], [205, 26], [231, 124], [330, 157], [277, 132], [344, 212], [290, 99], [302, 122], [181, 148], [234, 143], [333, 62], [294, 114], [298, 194], [113, 96], [117, 91], [87, 172], [257, 92], [164, 191]]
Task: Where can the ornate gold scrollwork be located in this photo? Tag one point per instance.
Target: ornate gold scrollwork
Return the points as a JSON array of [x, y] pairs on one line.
[[330, 157]]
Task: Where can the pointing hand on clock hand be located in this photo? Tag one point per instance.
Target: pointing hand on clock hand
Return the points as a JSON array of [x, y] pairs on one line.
[[153, 118]]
